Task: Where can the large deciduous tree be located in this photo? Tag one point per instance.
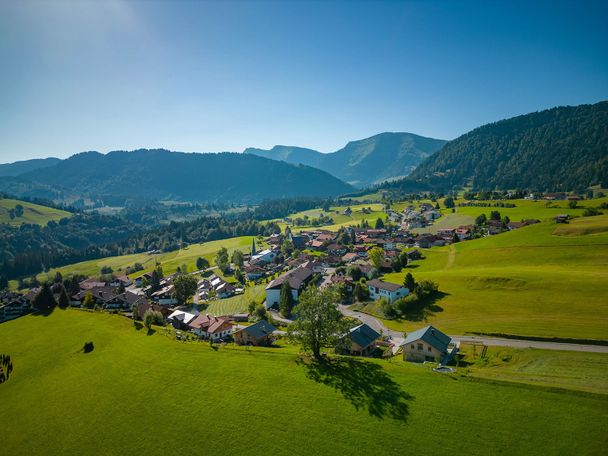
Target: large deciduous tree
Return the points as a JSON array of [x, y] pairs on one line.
[[320, 324], [185, 286]]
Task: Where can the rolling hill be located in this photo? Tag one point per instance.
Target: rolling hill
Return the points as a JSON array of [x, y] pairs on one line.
[[560, 149], [161, 174], [364, 162], [21, 167], [32, 213]]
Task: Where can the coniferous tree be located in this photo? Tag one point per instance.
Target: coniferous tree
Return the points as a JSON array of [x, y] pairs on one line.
[[64, 301], [44, 301], [286, 300]]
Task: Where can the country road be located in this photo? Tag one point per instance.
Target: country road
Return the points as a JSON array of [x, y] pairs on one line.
[[490, 341]]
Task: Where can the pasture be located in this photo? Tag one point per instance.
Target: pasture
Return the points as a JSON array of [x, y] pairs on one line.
[[149, 394], [529, 282], [34, 214]]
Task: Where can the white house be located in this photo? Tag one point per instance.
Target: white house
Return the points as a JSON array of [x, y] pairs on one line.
[[265, 256], [297, 279], [390, 291]]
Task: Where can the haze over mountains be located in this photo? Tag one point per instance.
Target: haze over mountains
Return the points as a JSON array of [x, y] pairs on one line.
[[564, 148], [364, 162]]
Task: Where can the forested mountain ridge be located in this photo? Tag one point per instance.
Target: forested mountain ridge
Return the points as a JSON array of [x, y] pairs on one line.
[[363, 162], [161, 174], [21, 167], [559, 149]]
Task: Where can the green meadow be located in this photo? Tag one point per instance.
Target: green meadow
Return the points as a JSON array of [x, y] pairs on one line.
[[238, 303], [170, 261], [561, 369], [32, 213], [340, 220], [546, 279], [149, 394]]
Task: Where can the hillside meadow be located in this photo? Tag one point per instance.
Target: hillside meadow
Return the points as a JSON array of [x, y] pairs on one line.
[[170, 261], [149, 394], [542, 280], [32, 213]]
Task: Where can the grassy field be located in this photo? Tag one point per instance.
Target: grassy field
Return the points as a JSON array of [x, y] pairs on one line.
[[32, 213], [170, 261], [562, 369], [140, 394], [238, 303], [538, 280], [339, 218]]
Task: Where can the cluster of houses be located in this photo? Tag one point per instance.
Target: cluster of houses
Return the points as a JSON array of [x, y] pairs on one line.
[[412, 218], [14, 305]]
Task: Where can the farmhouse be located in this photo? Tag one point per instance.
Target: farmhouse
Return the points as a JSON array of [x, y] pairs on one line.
[[259, 333], [390, 291], [13, 305], [362, 340], [179, 319], [210, 327], [265, 256], [297, 279], [428, 344]]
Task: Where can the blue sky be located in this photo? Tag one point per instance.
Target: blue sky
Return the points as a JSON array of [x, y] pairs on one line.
[[222, 76]]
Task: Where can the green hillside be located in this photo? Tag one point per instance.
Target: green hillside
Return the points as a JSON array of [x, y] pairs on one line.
[[543, 280], [32, 213], [139, 394]]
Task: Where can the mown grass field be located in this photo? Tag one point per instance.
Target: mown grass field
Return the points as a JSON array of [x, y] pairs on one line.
[[32, 213], [140, 394], [538, 280], [170, 261], [562, 369], [238, 303]]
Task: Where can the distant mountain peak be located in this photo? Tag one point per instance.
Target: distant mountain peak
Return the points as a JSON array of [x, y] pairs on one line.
[[365, 161]]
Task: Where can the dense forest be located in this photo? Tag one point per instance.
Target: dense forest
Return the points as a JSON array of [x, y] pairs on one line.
[[560, 149]]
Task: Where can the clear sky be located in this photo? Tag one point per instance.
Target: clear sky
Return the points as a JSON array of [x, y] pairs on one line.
[[222, 76]]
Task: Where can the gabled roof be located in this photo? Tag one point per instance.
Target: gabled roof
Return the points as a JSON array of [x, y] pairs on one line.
[[296, 278], [431, 336], [384, 285], [363, 335], [260, 329]]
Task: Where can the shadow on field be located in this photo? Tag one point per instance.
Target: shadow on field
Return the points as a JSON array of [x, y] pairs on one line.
[[365, 384], [422, 310]]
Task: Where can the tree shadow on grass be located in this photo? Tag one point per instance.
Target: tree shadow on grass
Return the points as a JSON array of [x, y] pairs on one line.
[[424, 309], [365, 384]]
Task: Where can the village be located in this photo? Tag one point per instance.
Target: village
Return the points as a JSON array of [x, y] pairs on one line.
[[352, 259]]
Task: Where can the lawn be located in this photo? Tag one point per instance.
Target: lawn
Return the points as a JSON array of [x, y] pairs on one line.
[[32, 213], [563, 369], [525, 282], [139, 394], [238, 303]]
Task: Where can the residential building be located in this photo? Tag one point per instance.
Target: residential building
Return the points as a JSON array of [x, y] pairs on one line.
[[259, 333], [210, 327], [390, 291], [297, 278], [362, 340], [428, 344]]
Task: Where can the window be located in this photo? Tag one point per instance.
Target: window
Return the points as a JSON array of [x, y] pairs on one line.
[[430, 348], [420, 347], [413, 346]]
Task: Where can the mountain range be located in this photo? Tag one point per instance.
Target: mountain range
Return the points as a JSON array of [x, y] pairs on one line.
[[365, 162], [559, 149], [161, 175]]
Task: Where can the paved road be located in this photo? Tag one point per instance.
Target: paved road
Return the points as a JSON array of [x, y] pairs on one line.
[[490, 341]]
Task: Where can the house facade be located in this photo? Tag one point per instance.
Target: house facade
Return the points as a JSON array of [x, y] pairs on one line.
[[390, 291], [297, 278], [428, 344], [259, 333]]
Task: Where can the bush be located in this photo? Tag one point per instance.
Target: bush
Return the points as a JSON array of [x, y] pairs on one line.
[[591, 211], [153, 317]]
